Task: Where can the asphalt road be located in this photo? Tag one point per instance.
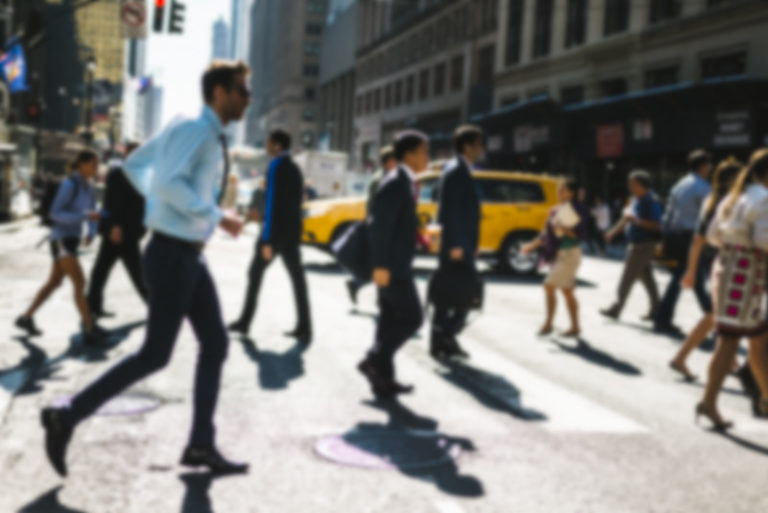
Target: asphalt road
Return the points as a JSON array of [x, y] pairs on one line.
[[527, 425]]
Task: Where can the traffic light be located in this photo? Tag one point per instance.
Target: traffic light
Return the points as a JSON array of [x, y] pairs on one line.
[[159, 15], [177, 17]]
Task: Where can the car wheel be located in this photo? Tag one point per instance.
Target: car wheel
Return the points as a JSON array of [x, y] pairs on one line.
[[512, 260]]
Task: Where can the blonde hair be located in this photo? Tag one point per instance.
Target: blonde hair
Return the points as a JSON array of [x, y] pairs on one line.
[[756, 170]]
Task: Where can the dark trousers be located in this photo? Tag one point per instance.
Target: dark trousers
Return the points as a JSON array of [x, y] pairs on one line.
[[109, 254], [291, 256], [666, 310], [450, 321], [180, 286], [638, 266], [400, 316]]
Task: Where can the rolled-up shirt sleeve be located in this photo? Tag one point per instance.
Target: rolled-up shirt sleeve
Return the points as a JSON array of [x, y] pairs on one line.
[[173, 181]]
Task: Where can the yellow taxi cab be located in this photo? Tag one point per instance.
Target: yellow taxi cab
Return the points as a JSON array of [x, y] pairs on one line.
[[514, 209]]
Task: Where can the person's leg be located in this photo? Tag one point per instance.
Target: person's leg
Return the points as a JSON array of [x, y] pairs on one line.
[[550, 300], [171, 277], [700, 287], [131, 256], [105, 260], [205, 316], [649, 282], [694, 340], [632, 270], [71, 267], [292, 260], [573, 310], [758, 362], [719, 367], [55, 278], [401, 317], [255, 275]]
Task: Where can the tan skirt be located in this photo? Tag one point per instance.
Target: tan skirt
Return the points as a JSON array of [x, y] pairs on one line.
[[562, 275]]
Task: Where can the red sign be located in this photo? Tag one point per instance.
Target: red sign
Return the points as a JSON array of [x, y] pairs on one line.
[[610, 140]]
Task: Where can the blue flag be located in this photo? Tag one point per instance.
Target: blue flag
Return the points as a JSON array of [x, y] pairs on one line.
[[13, 66]]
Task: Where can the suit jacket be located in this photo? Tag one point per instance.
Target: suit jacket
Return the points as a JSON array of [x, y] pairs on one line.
[[459, 211], [123, 205], [283, 223], [393, 224]]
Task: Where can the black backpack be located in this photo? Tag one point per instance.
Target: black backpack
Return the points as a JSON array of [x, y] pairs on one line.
[[50, 190]]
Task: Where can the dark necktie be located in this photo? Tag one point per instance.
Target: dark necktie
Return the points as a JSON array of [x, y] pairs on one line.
[[225, 176]]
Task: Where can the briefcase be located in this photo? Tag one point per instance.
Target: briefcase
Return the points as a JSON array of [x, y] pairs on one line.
[[457, 286], [353, 253]]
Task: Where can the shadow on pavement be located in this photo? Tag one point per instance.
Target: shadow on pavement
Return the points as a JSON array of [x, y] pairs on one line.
[[744, 443], [26, 377], [48, 503], [590, 354], [196, 498], [276, 370], [413, 444], [491, 390]]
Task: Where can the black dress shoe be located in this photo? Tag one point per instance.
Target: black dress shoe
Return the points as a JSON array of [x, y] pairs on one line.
[[101, 314], [211, 458], [58, 432], [610, 313], [353, 288], [28, 325], [372, 373], [670, 331], [454, 350], [238, 327]]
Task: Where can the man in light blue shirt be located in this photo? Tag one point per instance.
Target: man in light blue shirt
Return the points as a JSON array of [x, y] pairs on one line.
[[678, 226], [180, 174]]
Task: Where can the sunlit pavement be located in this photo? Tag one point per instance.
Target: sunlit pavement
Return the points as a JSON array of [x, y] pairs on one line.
[[527, 425]]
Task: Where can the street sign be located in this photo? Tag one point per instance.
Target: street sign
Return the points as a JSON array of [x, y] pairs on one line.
[[133, 19]]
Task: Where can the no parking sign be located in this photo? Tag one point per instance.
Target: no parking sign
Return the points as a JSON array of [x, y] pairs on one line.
[[133, 19]]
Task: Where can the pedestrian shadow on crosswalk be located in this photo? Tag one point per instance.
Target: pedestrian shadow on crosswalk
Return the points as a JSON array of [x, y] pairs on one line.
[[587, 352], [48, 503], [413, 445], [197, 487], [275, 370], [493, 391], [744, 442], [36, 367]]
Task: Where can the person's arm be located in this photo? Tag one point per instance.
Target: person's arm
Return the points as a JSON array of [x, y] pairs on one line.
[[694, 255], [386, 205], [617, 229], [173, 179], [138, 165], [454, 237], [267, 230], [65, 197]]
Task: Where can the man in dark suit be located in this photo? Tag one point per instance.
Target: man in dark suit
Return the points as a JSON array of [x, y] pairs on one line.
[[388, 163], [392, 231], [280, 235], [459, 216], [121, 228]]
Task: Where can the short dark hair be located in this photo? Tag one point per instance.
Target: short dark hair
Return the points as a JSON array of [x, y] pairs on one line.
[[698, 158], [466, 134], [386, 153], [222, 73], [281, 137], [572, 185], [408, 141], [642, 177], [83, 157]]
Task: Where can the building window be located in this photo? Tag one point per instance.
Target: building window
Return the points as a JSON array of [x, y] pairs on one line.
[[360, 104], [424, 84], [616, 16], [572, 94], [388, 96], [457, 73], [311, 49], [724, 65], [309, 94], [509, 101], [661, 77], [368, 102], [398, 93], [311, 70], [439, 79], [664, 10], [514, 32], [313, 29], [409, 89], [490, 10], [576, 23], [377, 100], [613, 87], [485, 65], [542, 28], [309, 115], [315, 6]]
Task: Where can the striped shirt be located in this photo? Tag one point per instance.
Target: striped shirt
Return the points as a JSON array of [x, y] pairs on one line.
[[179, 172]]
